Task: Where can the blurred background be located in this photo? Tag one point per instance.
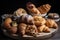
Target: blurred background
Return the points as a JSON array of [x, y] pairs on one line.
[[9, 6]]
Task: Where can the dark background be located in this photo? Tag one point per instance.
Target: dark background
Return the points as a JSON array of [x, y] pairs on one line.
[[9, 6]]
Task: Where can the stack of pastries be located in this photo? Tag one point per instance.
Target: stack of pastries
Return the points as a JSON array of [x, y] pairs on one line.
[[25, 24], [42, 10]]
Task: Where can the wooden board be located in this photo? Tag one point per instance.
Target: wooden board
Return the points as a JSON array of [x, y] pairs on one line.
[[40, 36]]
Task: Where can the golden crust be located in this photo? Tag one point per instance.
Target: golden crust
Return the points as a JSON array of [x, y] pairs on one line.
[[44, 8], [7, 23], [22, 28], [51, 23], [38, 20], [20, 12], [43, 28]]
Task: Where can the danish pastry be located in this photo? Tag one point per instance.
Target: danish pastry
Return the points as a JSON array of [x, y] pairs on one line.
[[32, 30]]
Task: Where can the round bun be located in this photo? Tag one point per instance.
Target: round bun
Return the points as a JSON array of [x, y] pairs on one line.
[[19, 12]]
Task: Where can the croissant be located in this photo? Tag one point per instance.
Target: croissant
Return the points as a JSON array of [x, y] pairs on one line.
[[44, 8], [7, 23], [51, 23], [22, 28], [43, 28], [32, 9], [38, 20]]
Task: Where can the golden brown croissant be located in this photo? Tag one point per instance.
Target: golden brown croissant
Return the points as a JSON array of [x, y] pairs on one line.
[[32, 9], [38, 20], [43, 28], [22, 28], [51, 23], [7, 23], [44, 8]]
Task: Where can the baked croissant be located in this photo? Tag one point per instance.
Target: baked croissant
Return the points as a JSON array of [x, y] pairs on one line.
[[38, 20], [44, 8], [32, 9], [22, 28], [51, 23], [43, 28], [7, 23]]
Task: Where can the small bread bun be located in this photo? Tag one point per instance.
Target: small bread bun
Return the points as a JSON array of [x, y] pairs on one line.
[[19, 12]]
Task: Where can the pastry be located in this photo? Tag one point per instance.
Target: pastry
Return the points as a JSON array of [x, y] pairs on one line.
[[53, 16], [22, 28], [31, 30], [51, 23], [32, 9], [44, 9], [43, 28], [7, 22], [38, 20], [27, 19], [19, 12]]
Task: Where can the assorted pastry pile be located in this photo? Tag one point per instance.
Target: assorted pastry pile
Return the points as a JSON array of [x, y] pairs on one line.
[[22, 23]]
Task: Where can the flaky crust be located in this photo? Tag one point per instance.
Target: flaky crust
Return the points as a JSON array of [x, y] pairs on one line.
[[44, 8], [51, 23], [22, 28], [43, 28], [38, 20]]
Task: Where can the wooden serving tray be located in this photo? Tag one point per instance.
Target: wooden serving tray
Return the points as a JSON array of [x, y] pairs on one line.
[[40, 36]]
